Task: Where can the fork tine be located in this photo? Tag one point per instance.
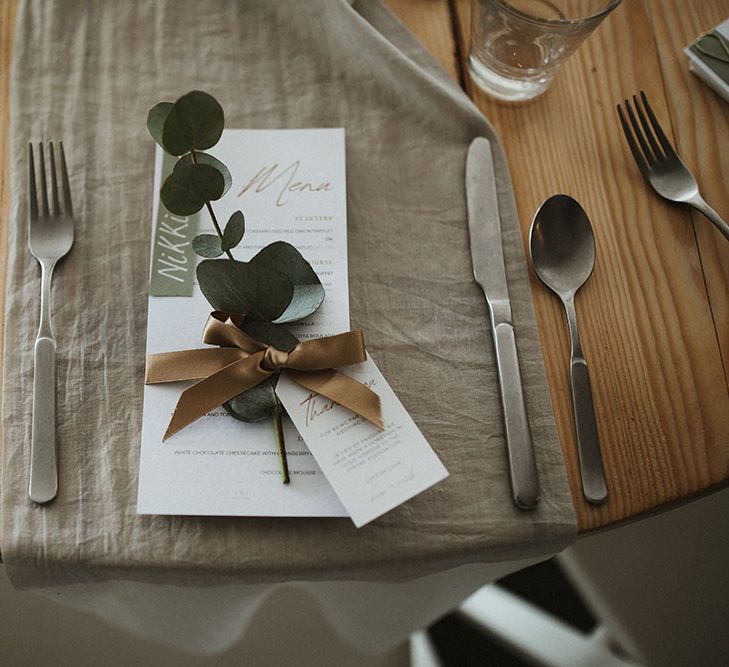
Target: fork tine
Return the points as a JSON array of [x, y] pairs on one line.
[[647, 130], [667, 146], [32, 193], [637, 155], [64, 179], [650, 158], [44, 189], [54, 183]]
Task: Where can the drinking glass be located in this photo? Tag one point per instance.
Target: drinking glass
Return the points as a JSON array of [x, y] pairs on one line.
[[518, 45]]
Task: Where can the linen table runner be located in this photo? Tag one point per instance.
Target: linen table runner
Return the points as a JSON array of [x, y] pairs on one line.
[[86, 73]]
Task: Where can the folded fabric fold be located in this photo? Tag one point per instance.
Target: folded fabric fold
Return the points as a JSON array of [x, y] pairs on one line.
[[241, 362]]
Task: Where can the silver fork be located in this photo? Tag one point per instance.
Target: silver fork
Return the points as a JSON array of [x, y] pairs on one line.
[[658, 162], [50, 238]]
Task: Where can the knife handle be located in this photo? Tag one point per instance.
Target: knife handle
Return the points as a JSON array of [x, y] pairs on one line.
[[522, 465]]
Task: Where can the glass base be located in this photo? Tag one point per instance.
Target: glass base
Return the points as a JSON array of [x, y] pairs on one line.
[[505, 88]]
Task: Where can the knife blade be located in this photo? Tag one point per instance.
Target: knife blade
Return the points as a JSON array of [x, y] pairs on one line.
[[487, 256]]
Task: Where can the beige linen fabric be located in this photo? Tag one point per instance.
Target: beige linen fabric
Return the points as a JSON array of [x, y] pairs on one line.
[[87, 72]]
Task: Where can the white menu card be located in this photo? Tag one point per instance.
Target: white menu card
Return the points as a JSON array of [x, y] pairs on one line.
[[290, 185]]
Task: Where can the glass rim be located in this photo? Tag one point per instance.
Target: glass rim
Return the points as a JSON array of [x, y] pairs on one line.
[[506, 4]]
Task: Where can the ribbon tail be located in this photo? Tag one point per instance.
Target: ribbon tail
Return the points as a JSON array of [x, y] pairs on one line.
[[188, 364], [344, 390], [214, 390]]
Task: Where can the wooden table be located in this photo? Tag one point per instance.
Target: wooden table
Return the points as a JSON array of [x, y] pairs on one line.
[[655, 314]]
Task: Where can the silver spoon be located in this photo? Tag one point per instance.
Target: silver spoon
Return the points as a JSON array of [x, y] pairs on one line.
[[562, 250]]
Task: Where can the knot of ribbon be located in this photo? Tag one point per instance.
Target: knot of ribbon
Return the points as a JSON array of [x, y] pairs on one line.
[[241, 362]]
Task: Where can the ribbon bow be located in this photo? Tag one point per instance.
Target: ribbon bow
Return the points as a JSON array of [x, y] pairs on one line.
[[241, 362]]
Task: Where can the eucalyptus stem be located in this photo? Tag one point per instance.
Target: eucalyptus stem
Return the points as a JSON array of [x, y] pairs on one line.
[[217, 226], [278, 429], [210, 210]]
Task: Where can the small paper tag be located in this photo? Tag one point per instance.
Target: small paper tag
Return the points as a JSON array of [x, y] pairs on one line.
[[371, 471]]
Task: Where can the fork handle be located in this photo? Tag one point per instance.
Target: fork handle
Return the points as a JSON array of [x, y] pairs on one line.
[[43, 453], [43, 484], [700, 204]]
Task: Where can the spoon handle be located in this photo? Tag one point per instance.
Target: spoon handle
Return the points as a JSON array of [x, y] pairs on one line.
[[592, 472], [588, 444]]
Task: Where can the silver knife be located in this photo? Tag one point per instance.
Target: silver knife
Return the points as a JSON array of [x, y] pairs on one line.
[[487, 256]]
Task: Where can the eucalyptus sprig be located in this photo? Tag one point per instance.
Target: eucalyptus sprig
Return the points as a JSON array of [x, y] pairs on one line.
[[276, 287]]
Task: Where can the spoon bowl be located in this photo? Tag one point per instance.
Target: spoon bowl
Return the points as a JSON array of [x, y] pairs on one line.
[[562, 250], [562, 245]]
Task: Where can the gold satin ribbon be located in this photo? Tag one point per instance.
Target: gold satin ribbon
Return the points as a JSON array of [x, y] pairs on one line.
[[241, 362]]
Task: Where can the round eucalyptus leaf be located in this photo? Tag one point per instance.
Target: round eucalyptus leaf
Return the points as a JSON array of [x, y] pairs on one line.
[[234, 231], [195, 122], [178, 197], [255, 290], [207, 245], [156, 120], [188, 187], [308, 290], [204, 179], [289, 260], [306, 300], [206, 158], [253, 405], [270, 334]]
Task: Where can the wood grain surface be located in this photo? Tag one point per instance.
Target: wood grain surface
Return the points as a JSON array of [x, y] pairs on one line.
[[701, 124], [655, 313], [660, 388], [430, 22]]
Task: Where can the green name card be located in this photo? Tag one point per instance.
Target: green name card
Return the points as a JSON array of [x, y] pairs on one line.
[[713, 50], [173, 260]]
